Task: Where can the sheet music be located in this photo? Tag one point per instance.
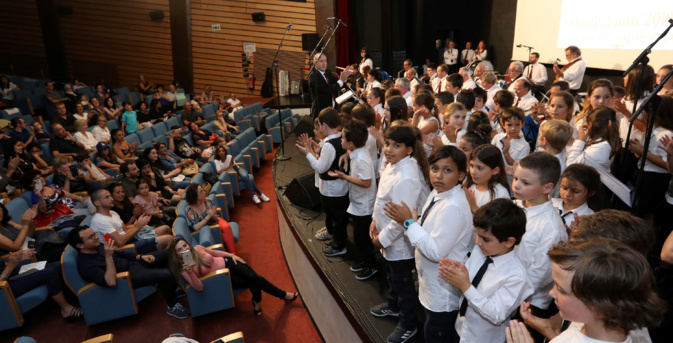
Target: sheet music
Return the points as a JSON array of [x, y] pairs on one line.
[[619, 188]]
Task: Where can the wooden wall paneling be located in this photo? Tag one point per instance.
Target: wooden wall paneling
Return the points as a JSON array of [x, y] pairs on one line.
[[23, 51], [217, 54], [115, 41]]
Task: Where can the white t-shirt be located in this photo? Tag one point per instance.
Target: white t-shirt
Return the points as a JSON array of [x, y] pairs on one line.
[[101, 224], [575, 335], [219, 165], [361, 199], [484, 197]]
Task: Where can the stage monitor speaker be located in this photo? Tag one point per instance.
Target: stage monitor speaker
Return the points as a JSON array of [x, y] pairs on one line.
[[302, 191], [258, 16], [156, 15], [309, 41]]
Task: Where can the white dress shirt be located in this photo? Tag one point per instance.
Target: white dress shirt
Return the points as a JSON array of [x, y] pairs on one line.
[[574, 335], [409, 99], [562, 158], [598, 152], [518, 148], [526, 102], [641, 335], [450, 56], [446, 232], [441, 84], [399, 182], [101, 134], [575, 74], [372, 148], [544, 229], [434, 83], [655, 149], [366, 62], [361, 199], [538, 74], [503, 288], [568, 216], [414, 82], [371, 85], [481, 56], [490, 95], [512, 84], [467, 53], [484, 197], [469, 84], [328, 188], [87, 139]]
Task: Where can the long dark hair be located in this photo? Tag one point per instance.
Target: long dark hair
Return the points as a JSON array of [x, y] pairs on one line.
[[604, 126], [491, 156], [155, 164], [590, 179]]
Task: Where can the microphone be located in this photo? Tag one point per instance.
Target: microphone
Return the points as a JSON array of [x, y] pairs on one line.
[[342, 23], [518, 45], [289, 25], [332, 18]]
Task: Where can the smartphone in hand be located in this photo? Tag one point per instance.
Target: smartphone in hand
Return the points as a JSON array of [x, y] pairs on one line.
[[187, 258], [108, 238]]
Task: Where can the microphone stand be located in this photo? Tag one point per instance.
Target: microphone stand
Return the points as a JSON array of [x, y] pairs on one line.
[[312, 70], [649, 102], [310, 58], [642, 59], [274, 67]]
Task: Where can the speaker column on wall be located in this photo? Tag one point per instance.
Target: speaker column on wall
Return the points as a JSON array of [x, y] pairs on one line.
[[157, 15], [309, 41], [302, 191]]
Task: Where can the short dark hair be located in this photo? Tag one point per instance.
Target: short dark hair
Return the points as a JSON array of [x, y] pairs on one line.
[[562, 85], [502, 218], [480, 93], [81, 157], [432, 65], [124, 167], [466, 97], [443, 67], [192, 193], [545, 165], [452, 152], [618, 225], [525, 83], [510, 113], [445, 97], [402, 134], [504, 98], [455, 79], [175, 127], [330, 117], [355, 131], [5, 214], [536, 54], [365, 114], [74, 237], [15, 121]]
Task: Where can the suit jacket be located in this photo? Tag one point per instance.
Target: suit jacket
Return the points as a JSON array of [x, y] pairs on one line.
[[321, 92]]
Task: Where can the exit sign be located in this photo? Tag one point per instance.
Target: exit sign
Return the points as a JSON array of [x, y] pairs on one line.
[[215, 27]]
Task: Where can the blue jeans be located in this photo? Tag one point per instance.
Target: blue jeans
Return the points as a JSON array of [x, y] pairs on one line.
[[440, 327], [401, 291], [250, 184]]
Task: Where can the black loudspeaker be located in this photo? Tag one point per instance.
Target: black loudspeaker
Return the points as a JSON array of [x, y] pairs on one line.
[[302, 191], [258, 16], [156, 15], [308, 41]]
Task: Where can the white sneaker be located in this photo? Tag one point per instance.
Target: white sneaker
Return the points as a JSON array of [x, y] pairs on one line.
[[255, 198], [264, 198]]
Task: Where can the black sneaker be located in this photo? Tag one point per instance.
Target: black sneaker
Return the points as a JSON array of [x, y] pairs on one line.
[[179, 292], [383, 310], [358, 267], [401, 335], [366, 273], [330, 252]]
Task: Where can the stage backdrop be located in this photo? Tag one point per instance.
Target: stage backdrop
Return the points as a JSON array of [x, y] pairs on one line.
[[23, 50], [216, 55]]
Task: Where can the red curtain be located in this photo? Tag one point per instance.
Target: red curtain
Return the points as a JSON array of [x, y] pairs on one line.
[[345, 35]]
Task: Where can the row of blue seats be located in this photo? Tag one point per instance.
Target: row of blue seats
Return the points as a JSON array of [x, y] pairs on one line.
[[281, 123]]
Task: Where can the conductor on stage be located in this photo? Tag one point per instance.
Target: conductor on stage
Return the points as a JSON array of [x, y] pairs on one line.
[[323, 85]]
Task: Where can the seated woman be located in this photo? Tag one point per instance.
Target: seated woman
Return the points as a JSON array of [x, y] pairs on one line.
[[111, 109], [89, 169], [224, 162], [95, 111], [152, 155], [122, 148], [50, 276], [69, 177], [129, 213], [38, 130], [13, 149], [104, 158], [56, 207], [83, 136], [48, 244], [207, 261], [35, 156], [157, 183], [157, 112], [143, 115], [79, 112], [220, 123], [201, 137], [207, 97], [100, 131], [144, 86], [171, 161], [201, 212]]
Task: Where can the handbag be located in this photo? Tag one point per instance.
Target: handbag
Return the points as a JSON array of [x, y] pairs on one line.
[[190, 170]]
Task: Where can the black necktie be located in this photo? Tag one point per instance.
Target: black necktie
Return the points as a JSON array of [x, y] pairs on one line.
[[564, 215], [475, 283], [427, 211]]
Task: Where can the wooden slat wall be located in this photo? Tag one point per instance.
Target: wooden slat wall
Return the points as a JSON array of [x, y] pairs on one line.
[[217, 54], [116, 40], [21, 40]]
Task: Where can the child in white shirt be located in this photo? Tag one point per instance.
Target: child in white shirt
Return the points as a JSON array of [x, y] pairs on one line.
[[553, 138], [580, 191], [487, 180], [598, 140], [511, 142]]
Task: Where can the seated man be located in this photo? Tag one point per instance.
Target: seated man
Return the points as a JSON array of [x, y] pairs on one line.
[[145, 238], [182, 148], [190, 115], [21, 133], [64, 118], [100, 263], [63, 143]]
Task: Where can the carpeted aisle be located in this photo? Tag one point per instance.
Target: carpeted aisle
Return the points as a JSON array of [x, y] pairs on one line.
[[259, 245]]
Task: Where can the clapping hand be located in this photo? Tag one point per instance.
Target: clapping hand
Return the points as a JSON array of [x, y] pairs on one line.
[[28, 216], [455, 273], [400, 213]]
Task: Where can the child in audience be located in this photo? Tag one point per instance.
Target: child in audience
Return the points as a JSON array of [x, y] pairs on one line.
[[129, 119], [37, 129], [442, 101], [333, 191], [534, 178], [554, 136], [501, 100], [375, 100], [487, 180], [454, 119], [655, 178], [495, 291], [400, 181], [511, 142], [425, 117], [150, 203], [435, 240], [598, 140], [480, 98], [362, 194], [561, 106], [599, 94], [580, 192], [472, 139], [366, 115]]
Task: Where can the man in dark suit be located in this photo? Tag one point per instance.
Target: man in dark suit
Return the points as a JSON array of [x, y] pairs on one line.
[[324, 86]]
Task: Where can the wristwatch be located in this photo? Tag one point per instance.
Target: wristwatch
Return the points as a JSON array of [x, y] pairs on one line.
[[408, 223]]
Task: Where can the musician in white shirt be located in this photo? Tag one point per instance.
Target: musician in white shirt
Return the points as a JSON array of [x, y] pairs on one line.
[[515, 72], [488, 81], [411, 75], [535, 71], [404, 86], [466, 73], [467, 55], [442, 73], [433, 80], [524, 99], [573, 72], [451, 57], [366, 61], [481, 52]]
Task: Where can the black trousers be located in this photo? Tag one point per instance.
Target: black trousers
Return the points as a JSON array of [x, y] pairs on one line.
[[401, 291], [158, 272], [336, 219], [243, 276], [362, 239]]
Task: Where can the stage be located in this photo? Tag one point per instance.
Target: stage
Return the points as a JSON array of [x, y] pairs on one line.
[[337, 302], [292, 101]]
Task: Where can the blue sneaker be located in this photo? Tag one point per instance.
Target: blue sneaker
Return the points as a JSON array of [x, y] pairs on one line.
[[178, 311], [330, 252], [401, 335]]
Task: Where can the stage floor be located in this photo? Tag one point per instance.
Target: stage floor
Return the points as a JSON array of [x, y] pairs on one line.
[[356, 296]]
